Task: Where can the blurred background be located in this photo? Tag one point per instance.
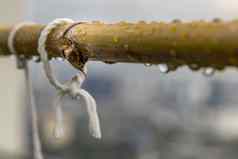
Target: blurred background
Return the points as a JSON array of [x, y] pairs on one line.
[[144, 114]]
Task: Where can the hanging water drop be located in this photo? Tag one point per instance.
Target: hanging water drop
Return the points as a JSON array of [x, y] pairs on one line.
[[176, 21], [59, 59], [163, 68], [142, 22], [217, 20], [173, 53], [126, 46], [36, 59], [97, 22], [208, 71], [84, 33], [148, 64], [115, 39], [194, 66], [172, 67]]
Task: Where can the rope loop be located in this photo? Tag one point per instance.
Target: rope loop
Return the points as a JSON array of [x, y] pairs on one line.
[[73, 86], [20, 59], [43, 52]]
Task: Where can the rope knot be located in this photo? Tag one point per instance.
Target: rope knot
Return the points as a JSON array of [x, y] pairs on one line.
[[71, 87], [74, 85]]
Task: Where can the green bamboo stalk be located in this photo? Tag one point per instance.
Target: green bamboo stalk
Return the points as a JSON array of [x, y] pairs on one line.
[[196, 44]]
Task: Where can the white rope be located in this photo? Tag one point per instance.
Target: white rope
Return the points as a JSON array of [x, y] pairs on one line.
[[43, 52], [72, 87], [11, 41], [59, 124], [11, 37], [78, 93], [37, 149], [35, 128]]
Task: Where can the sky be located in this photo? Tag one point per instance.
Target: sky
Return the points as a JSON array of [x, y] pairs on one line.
[[116, 10]]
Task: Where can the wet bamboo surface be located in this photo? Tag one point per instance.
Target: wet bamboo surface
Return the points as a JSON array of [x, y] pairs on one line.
[[196, 44]]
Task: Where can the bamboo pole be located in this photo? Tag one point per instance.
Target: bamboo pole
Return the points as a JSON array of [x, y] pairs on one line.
[[196, 44]]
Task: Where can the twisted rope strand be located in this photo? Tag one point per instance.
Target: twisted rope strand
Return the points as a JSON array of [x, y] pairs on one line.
[[59, 128], [37, 149], [43, 52]]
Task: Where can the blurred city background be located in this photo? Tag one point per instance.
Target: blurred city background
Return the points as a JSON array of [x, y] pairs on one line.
[[144, 114]]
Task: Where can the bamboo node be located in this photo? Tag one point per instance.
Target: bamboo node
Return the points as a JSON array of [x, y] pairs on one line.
[[71, 49]]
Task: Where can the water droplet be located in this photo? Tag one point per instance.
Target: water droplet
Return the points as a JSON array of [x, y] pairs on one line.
[[122, 23], [208, 71], [36, 59], [194, 66], [109, 62], [154, 22], [217, 20], [148, 64], [96, 22], [174, 43], [84, 33], [153, 30], [142, 22], [53, 58], [126, 46], [115, 39], [172, 53], [176, 21], [173, 29], [59, 59], [78, 97], [163, 68], [185, 36], [172, 67]]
